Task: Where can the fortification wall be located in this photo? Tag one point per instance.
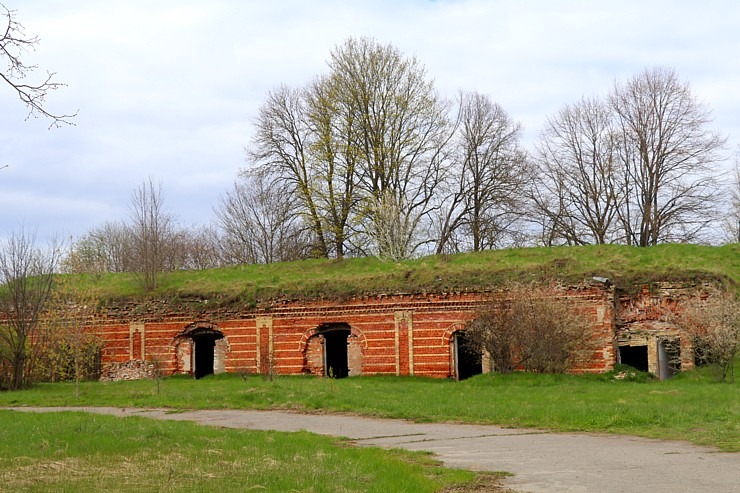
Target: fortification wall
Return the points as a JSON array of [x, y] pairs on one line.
[[389, 335]]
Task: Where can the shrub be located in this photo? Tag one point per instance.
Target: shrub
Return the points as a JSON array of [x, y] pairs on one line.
[[713, 324], [531, 330]]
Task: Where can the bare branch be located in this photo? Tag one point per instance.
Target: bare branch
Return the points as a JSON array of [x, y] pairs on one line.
[[14, 43]]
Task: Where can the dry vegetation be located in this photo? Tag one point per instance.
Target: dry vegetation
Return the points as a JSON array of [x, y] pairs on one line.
[[529, 330], [714, 327]]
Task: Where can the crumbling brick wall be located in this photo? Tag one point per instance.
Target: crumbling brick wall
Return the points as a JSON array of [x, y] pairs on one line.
[[647, 319]]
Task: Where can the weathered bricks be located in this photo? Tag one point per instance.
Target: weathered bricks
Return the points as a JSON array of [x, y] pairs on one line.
[[387, 334]]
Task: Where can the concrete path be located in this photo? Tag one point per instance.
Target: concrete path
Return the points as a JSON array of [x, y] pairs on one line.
[[541, 461]]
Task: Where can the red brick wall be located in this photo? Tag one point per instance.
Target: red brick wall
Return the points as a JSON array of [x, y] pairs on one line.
[[396, 335]]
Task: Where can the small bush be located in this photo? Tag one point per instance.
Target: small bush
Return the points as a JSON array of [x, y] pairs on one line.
[[713, 324], [529, 330]]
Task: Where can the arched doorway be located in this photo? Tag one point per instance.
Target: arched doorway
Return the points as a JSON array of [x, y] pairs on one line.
[[204, 345], [336, 363], [468, 359], [333, 349], [204, 353]]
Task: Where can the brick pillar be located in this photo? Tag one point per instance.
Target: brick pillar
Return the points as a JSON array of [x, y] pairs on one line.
[[264, 345], [404, 335], [137, 340], [219, 355], [652, 351], [687, 353], [185, 355], [315, 355], [354, 355]]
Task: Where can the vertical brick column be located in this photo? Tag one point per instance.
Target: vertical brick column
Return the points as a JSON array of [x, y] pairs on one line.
[[137, 340], [219, 355], [354, 355], [404, 335], [264, 344]]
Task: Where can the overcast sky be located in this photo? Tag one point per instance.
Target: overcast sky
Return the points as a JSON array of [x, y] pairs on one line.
[[170, 89]]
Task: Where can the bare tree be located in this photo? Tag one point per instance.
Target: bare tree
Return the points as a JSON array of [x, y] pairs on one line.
[[281, 149], [732, 221], [112, 248], [578, 190], [488, 179], [493, 330], [195, 248], [259, 223], [668, 156], [70, 349], [152, 231], [26, 274], [551, 336], [14, 43]]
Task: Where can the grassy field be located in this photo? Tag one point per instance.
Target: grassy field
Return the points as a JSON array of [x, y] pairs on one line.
[[691, 406], [91, 453], [251, 284], [77, 452]]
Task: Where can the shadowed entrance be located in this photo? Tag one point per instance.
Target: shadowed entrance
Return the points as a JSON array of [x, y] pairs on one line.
[[634, 356], [203, 337], [335, 350], [467, 358]]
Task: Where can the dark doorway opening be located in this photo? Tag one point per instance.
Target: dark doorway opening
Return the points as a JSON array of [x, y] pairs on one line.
[[204, 344], [468, 358], [335, 351], [634, 356]]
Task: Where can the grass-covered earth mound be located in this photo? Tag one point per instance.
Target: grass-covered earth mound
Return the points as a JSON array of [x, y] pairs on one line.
[[626, 267]]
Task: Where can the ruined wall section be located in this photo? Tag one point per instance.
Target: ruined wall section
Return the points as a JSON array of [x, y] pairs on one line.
[[648, 317]]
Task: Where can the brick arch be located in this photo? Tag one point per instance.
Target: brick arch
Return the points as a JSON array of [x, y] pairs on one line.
[[200, 346], [197, 328], [450, 332], [302, 344]]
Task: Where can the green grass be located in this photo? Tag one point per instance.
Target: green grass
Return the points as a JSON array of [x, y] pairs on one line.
[[251, 284], [81, 452], [691, 406]]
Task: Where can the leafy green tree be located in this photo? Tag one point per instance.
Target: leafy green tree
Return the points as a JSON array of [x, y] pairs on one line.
[[371, 132]]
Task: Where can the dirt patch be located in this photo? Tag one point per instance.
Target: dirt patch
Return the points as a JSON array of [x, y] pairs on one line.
[[484, 482]]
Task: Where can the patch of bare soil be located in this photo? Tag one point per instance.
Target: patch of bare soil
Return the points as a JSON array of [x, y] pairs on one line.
[[484, 482]]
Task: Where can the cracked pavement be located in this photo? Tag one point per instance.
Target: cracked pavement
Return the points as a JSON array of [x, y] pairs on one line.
[[541, 461]]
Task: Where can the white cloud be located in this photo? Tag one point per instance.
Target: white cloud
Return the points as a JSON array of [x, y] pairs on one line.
[[169, 89]]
